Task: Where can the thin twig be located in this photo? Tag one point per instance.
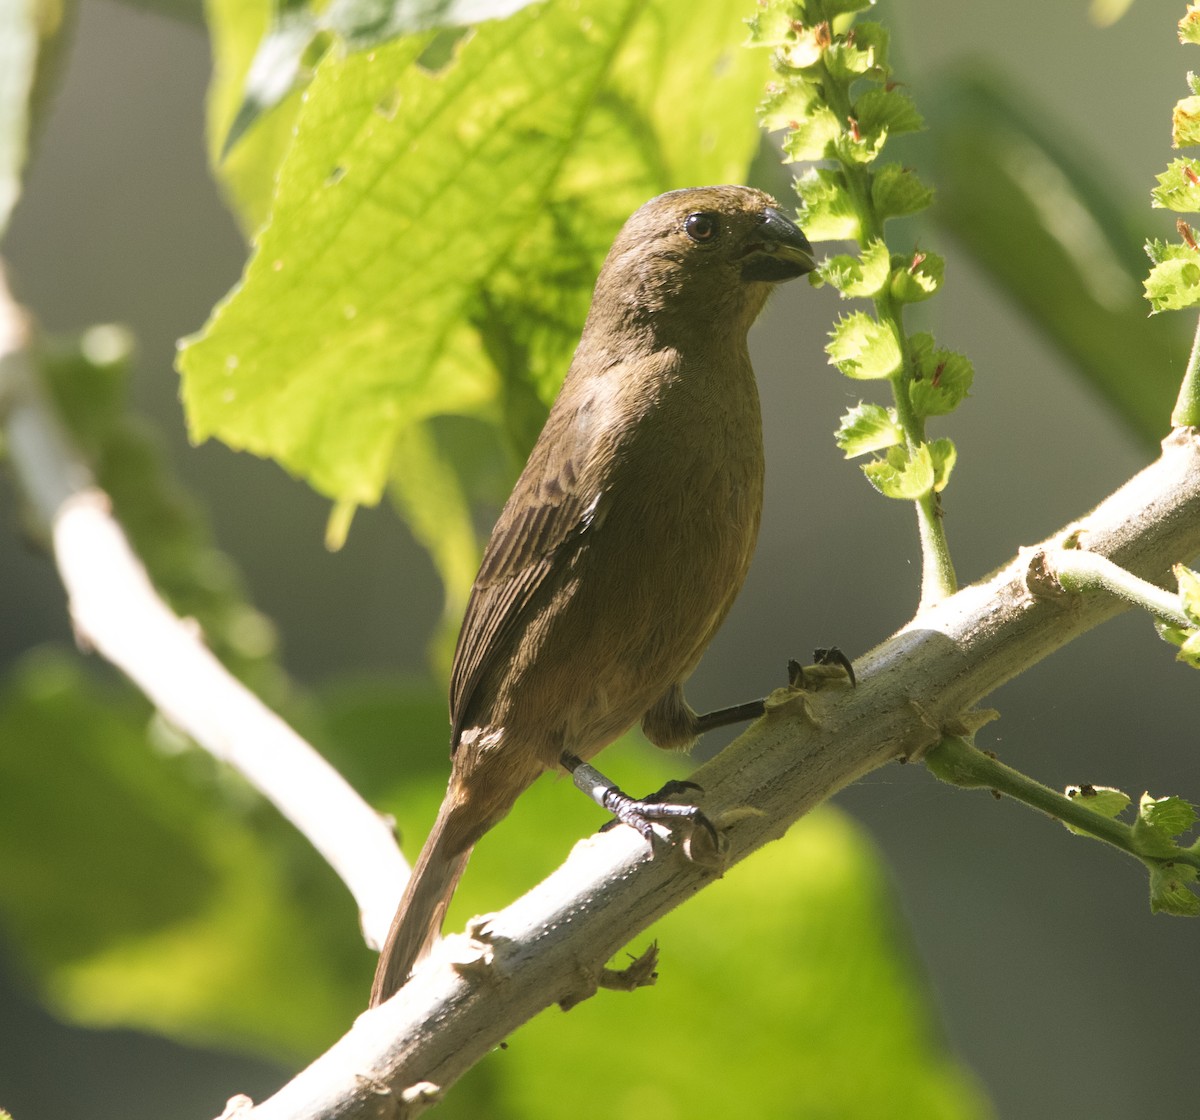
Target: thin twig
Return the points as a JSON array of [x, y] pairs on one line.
[[117, 612], [1187, 405], [1079, 570]]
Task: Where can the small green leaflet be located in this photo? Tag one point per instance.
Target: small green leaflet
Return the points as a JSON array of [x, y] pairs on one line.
[[863, 348]]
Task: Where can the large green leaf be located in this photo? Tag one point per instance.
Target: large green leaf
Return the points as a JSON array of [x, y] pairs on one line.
[[144, 888], [433, 236], [247, 170], [300, 31], [1041, 219]]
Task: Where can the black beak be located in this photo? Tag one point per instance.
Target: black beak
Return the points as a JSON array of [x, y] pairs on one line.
[[779, 250]]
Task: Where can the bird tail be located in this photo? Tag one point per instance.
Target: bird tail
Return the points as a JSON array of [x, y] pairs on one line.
[[418, 920]]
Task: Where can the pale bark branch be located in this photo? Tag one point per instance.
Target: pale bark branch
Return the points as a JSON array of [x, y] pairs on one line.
[[117, 612], [923, 682]]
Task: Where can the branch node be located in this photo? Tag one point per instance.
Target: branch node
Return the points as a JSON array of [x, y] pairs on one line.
[[790, 698], [926, 733], [478, 952], [422, 1093], [587, 984], [1181, 437], [640, 972], [966, 723], [237, 1105], [1038, 576]]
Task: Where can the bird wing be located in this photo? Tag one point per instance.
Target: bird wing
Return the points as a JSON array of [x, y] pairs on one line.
[[539, 532]]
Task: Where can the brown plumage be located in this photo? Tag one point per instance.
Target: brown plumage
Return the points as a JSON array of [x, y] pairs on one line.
[[627, 536]]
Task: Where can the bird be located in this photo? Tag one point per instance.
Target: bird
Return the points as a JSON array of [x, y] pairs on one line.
[[625, 540]]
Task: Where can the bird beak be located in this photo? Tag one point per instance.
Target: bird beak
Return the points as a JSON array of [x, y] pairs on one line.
[[779, 252]]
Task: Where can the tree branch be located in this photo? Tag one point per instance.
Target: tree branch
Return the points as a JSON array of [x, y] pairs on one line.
[[919, 685], [116, 611]]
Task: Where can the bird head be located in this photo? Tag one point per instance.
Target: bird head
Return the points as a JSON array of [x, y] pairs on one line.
[[708, 252]]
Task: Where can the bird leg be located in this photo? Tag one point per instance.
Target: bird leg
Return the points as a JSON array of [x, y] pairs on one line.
[[829, 665], [723, 717], [636, 813]]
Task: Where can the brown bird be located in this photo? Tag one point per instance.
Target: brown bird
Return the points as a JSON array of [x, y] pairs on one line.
[[626, 538]]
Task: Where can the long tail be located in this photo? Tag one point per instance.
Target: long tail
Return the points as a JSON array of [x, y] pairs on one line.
[[418, 919]]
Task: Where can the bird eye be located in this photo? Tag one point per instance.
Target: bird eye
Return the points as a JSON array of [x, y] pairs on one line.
[[702, 227]]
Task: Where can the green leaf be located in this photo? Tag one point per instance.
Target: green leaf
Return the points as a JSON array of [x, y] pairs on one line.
[[859, 277], [362, 308], [804, 49], [897, 191], [863, 348], [1174, 284], [140, 889], [867, 427], [827, 212], [772, 25], [278, 67], [903, 474], [368, 23], [1189, 26], [1173, 890], [1186, 638], [1178, 187], [300, 32], [1159, 821], [917, 277], [1105, 800], [864, 53], [788, 103], [878, 114], [246, 172], [1159, 251], [1172, 815], [1189, 649], [941, 379], [1185, 123], [1042, 219], [813, 136], [944, 455], [1189, 591]]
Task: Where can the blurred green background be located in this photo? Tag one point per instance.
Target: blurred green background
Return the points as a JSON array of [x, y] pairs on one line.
[[1052, 981]]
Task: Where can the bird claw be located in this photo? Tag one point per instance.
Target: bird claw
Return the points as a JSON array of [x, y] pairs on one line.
[[673, 788], [831, 668], [643, 814]]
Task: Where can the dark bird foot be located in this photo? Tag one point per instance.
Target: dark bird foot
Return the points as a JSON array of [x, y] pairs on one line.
[[637, 812], [831, 667]]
